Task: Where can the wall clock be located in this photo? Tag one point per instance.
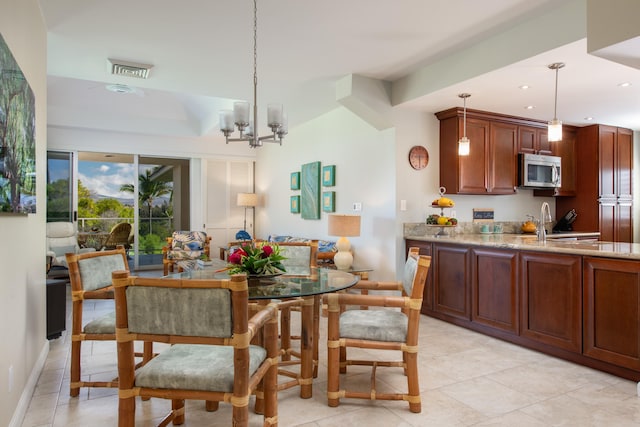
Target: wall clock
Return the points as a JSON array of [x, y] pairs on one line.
[[418, 157]]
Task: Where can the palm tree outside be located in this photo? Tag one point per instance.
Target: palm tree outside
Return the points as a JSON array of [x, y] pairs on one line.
[[149, 189]]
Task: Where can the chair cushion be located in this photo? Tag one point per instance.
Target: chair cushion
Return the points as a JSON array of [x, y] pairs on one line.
[[195, 367], [184, 312], [323, 245], [102, 325], [96, 272], [298, 259], [410, 268], [376, 325], [188, 240], [60, 229]]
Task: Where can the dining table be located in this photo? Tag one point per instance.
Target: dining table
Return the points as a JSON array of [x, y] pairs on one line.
[[283, 288]]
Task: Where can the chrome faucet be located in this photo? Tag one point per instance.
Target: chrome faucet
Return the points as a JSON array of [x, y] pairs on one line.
[[545, 216]]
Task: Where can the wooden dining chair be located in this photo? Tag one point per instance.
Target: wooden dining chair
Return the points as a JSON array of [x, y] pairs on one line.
[[301, 260], [183, 249], [379, 329], [211, 358], [90, 277]]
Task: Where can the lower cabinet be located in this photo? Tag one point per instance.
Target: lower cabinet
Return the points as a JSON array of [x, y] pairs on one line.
[[451, 296], [494, 288], [551, 286], [612, 311]]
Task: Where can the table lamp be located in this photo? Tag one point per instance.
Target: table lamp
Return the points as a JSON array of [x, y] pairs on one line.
[[344, 226], [246, 200]]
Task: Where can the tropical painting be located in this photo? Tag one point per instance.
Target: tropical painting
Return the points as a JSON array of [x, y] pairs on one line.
[[17, 138]]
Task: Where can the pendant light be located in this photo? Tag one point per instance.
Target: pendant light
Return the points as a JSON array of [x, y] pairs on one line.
[[464, 143], [554, 129]]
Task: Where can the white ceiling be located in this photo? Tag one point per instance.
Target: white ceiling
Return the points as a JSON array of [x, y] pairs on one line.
[[202, 54]]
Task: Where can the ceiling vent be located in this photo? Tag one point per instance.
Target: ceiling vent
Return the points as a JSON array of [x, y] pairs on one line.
[[129, 69]]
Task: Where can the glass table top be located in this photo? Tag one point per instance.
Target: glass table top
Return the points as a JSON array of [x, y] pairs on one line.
[[320, 281]]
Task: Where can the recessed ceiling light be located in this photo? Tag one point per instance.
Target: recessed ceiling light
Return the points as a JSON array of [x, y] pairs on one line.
[[588, 118], [529, 107], [524, 87], [624, 84]]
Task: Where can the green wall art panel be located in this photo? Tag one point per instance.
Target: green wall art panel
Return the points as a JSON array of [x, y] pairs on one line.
[[310, 191]]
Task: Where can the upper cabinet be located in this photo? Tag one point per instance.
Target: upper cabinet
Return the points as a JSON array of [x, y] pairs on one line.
[[495, 140], [603, 197], [490, 167], [533, 140]]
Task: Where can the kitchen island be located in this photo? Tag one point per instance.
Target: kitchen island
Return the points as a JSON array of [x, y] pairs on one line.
[[574, 299]]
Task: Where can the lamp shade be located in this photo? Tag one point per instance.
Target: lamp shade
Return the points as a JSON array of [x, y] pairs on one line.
[[344, 225], [247, 199]]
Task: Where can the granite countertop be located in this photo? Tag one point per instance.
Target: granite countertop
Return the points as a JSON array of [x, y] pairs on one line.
[[554, 242]]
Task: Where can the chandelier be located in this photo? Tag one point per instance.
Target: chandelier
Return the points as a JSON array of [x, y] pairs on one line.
[[241, 117]]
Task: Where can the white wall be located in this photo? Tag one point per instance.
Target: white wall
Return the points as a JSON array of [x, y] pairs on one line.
[[22, 254], [365, 173]]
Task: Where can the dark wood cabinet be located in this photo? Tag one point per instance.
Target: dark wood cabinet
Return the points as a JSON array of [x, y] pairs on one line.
[[612, 311], [56, 307], [451, 296], [533, 140], [603, 198], [494, 288], [495, 140], [551, 286]]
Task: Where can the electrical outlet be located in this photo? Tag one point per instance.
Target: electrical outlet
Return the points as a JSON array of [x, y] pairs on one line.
[[357, 207], [403, 205]]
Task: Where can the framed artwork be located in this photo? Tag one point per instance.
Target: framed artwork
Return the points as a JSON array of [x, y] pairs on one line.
[[295, 204], [329, 176], [17, 138], [295, 180], [310, 191], [329, 201]]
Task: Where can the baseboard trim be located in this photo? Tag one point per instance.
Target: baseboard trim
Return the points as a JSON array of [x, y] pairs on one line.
[[29, 388]]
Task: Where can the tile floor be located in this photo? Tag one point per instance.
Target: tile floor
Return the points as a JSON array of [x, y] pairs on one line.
[[467, 379]]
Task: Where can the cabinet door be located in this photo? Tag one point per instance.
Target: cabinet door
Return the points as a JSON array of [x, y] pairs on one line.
[[450, 281], [566, 150], [624, 170], [472, 174], [551, 299], [494, 289], [502, 160], [606, 156], [611, 311], [527, 139], [427, 297], [533, 140]]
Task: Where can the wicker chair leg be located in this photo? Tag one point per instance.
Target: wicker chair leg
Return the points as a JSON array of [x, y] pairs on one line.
[[285, 333], [177, 406], [75, 368], [412, 382], [211, 406]]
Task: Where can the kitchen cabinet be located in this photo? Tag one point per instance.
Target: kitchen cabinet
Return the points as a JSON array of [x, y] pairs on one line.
[[611, 311], [494, 289], [451, 296], [604, 174], [490, 167], [495, 140], [533, 140], [551, 286]]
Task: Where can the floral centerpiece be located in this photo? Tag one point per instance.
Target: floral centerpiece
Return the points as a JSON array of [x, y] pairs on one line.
[[256, 260]]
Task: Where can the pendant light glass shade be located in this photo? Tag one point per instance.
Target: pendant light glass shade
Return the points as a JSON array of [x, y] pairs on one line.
[[554, 128], [464, 145]]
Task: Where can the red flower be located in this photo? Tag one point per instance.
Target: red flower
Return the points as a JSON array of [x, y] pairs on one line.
[[236, 257], [266, 251]]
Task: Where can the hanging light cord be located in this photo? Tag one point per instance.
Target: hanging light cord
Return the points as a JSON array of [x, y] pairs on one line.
[[255, 74], [464, 117], [555, 105]]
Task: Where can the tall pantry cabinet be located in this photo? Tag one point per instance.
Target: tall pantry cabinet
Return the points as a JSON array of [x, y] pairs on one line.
[[603, 199]]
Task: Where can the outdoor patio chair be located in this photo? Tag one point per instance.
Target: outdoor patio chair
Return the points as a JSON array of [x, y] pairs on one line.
[[119, 235]]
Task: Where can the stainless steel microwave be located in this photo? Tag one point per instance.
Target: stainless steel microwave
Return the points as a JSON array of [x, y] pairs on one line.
[[538, 171]]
